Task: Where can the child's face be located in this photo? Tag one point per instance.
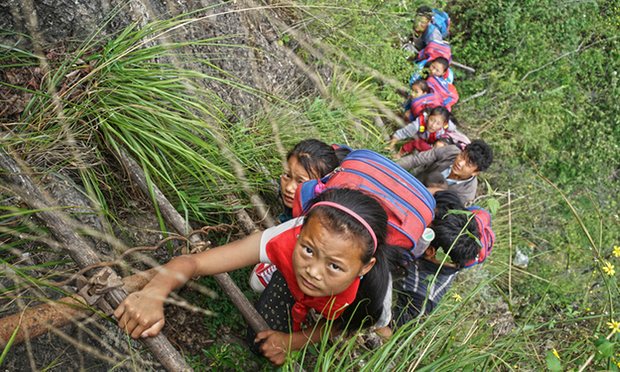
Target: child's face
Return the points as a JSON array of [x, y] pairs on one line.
[[435, 123], [421, 23], [294, 174], [416, 91], [326, 263], [437, 69]]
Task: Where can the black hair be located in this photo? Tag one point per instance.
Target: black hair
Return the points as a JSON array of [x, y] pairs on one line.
[[479, 153], [317, 157], [342, 152], [446, 140], [442, 111], [368, 304], [425, 11], [422, 84], [442, 61], [433, 179], [454, 229]]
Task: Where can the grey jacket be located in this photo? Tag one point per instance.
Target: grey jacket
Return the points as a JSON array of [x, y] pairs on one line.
[[438, 160]]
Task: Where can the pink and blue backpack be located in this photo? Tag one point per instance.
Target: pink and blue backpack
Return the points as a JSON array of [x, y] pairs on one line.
[[432, 51], [487, 238], [410, 207], [418, 105], [446, 91]]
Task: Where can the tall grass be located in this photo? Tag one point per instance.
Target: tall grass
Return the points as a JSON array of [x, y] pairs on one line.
[[539, 108], [132, 93]]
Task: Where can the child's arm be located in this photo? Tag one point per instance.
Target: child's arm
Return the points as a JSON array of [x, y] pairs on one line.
[[408, 131], [141, 314], [423, 158], [392, 144]]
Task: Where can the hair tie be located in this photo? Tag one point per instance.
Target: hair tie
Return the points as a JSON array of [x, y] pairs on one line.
[[354, 215]]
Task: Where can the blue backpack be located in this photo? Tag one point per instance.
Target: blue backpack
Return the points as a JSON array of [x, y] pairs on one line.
[[409, 206], [441, 21]]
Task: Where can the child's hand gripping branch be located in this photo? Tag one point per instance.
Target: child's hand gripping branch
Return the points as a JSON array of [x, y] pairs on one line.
[[141, 314], [320, 259]]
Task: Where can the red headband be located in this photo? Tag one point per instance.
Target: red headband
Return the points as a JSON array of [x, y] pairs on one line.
[[354, 215]]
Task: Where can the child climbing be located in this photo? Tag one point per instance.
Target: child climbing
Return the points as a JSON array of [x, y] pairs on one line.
[[429, 278], [425, 130], [460, 167], [429, 25], [332, 260], [309, 159], [420, 98], [434, 60]]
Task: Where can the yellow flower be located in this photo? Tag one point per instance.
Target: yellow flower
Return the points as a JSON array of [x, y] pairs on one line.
[[614, 326], [616, 251], [608, 268], [555, 352], [457, 297]]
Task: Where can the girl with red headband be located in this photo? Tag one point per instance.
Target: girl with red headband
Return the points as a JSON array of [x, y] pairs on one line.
[[332, 262]]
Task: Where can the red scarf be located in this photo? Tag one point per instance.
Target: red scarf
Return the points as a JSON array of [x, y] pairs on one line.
[[280, 253]]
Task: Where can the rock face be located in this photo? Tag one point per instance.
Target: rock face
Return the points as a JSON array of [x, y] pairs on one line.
[[248, 46]]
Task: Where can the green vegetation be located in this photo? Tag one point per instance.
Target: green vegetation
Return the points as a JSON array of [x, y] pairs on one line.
[[544, 95]]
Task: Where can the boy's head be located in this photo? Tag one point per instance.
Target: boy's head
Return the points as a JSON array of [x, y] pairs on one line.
[[434, 182], [475, 158], [438, 66], [424, 16], [438, 118], [443, 142], [419, 88], [460, 246]]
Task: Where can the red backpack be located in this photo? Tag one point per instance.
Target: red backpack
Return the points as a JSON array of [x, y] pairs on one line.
[[434, 50], [418, 105], [446, 91], [409, 206], [487, 238]]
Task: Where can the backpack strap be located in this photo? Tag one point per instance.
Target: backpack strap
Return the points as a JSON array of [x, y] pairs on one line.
[[422, 120]]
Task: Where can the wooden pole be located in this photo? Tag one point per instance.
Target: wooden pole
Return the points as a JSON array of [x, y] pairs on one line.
[[463, 67], [62, 228]]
